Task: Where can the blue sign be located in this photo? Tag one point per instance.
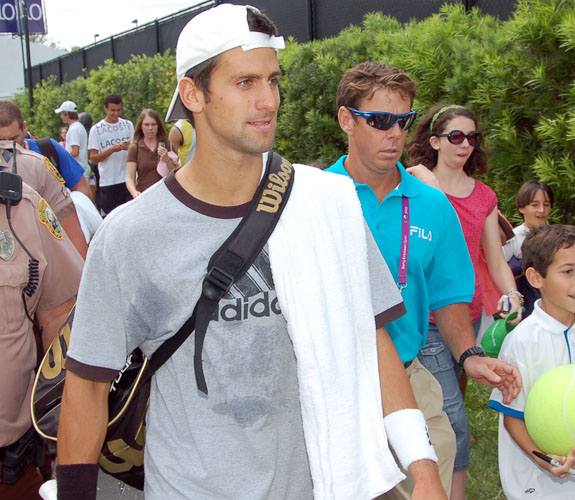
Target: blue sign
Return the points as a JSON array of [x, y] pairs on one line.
[[12, 20]]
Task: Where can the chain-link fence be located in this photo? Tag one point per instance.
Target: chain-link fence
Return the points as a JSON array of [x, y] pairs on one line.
[[303, 19]]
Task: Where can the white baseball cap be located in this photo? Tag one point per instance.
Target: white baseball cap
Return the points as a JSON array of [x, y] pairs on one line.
[[67, 106], [211, 33]]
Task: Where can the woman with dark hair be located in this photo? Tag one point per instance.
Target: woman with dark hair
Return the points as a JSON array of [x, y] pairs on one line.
[[147, 149], [447, 142]]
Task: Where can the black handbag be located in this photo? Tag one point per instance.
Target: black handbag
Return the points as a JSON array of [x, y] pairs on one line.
[[123, 450]]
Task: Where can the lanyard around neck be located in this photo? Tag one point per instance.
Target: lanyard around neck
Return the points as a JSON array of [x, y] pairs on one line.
[[402, 283]]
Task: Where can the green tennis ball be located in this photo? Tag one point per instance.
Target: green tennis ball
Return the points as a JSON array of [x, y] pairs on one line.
[[550, 411]]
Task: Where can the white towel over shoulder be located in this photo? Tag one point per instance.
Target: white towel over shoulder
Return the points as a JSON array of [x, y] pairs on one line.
[[318, 255]]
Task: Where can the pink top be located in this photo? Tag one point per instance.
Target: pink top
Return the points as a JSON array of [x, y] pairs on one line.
[[472, 212]]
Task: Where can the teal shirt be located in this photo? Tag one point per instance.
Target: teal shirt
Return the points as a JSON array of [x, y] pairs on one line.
[[439, 269]]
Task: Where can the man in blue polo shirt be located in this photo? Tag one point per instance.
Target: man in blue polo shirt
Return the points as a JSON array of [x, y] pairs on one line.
[[420, 237]]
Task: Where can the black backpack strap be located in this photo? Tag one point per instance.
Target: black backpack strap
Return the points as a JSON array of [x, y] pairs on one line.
[[239, 251], [231, 261], [49, 151], [170, 346]]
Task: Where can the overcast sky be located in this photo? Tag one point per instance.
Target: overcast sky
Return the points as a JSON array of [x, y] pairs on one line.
[[73, 23]]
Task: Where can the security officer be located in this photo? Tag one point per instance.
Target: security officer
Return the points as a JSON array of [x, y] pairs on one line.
[[52, 285], [39, 173]]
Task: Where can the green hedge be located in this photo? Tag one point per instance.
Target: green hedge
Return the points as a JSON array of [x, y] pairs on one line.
[[518, 75], [143, 82]]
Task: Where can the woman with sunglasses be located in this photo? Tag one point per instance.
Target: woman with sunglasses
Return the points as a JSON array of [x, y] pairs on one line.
[[448, 143]]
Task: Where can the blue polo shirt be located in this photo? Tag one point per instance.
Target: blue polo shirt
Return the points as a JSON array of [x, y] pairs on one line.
[[71, 169], [439, 269]]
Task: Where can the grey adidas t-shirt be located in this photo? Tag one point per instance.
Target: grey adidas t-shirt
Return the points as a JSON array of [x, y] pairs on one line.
[[141, 281]]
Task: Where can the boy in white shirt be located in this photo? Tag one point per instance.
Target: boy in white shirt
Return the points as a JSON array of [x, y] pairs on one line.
[[544, 340]]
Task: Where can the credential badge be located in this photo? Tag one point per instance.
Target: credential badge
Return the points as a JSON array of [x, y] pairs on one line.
[[6, 245]]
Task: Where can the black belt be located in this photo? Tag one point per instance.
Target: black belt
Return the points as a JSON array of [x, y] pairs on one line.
[[407, 364]]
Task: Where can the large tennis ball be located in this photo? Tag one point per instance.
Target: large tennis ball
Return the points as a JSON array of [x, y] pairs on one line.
[[550, 410]]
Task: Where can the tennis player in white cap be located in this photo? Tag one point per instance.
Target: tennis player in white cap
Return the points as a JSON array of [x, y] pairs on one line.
[[297, 350]]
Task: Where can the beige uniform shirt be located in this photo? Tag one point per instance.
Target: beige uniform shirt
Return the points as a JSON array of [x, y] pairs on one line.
[[60, 267], [38, 172]]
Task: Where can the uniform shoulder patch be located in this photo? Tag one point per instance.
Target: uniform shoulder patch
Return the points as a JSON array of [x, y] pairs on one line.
[[50, 166], [47, 217]]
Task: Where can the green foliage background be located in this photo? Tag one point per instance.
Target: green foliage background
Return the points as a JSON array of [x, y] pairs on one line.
[[518, 75], [143, 82]]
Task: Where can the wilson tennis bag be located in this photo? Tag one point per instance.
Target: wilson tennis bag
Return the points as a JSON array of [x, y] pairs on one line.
[[123, 450]]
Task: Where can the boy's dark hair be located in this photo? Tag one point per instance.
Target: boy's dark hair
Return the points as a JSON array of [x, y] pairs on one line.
[[201, 74], [112, 99], [419, 149], [73, 115], [542, 243], [528, 191], [363, 80]]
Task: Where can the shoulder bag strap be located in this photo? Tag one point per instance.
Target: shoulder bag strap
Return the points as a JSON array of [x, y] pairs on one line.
[[232, 260]]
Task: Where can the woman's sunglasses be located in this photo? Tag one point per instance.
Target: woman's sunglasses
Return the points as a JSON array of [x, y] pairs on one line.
[[457, 137], [384, 121]]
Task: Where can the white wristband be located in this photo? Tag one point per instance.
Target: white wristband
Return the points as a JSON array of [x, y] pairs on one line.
[[407, 433]]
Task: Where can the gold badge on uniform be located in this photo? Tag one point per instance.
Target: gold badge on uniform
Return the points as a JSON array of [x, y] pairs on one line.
[[6, 245], [50, 166], [49, 219]]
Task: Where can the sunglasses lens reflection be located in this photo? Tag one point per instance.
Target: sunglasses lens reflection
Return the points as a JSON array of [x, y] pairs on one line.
[[387, 121], [457, 137], [380, 122]]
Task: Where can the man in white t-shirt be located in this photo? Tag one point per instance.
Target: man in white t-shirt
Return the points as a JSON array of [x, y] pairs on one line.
[[228, 73], [76, 137], [108, 147]]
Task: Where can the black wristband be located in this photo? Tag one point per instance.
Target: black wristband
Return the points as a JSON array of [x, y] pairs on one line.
[[472, 351], [77, 481]]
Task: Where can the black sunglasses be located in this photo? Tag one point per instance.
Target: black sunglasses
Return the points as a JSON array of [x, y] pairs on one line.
[[384, 121], [457, 137]]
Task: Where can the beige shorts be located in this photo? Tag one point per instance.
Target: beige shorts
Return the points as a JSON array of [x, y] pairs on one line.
[[429, 399]]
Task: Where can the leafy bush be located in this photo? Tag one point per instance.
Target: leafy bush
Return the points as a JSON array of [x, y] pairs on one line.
[[143, 82], [518, 76], [441, 53], [47, 97], [527, 103]]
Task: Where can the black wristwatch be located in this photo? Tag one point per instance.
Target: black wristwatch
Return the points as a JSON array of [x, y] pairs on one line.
[[472, 351]]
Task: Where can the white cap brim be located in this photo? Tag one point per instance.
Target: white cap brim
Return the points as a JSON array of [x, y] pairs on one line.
[[177, 110]]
